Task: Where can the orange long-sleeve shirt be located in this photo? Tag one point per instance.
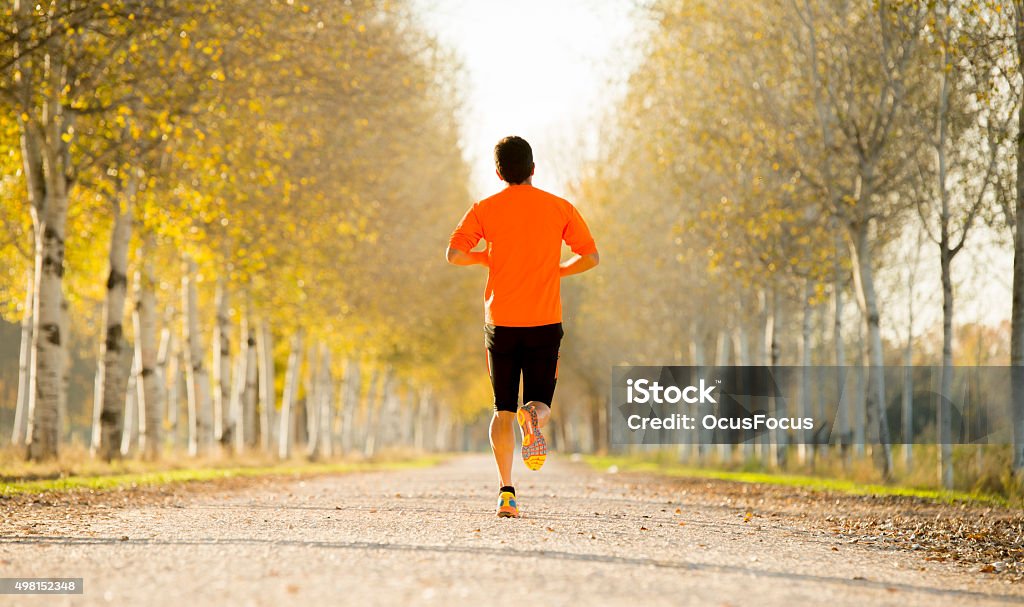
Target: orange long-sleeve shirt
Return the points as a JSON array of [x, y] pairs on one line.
[[524, 228]]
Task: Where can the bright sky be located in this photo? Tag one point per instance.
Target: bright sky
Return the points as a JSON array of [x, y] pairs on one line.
[[539, 69]]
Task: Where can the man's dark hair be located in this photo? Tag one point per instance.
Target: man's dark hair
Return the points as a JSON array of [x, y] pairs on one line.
[[514, 159]]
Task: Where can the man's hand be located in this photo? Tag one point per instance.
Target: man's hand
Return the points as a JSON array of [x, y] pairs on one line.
[[577, 264], [462, 258]]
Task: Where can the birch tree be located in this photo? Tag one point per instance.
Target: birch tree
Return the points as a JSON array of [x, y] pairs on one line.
[[222, 419], [111, 376], [24, 368], [292, 379], [147, 352], [1014, 213], [969, 125], [197, 379]]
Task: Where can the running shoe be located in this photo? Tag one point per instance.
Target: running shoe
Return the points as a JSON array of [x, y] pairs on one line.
[[507, 507], [535, 449]]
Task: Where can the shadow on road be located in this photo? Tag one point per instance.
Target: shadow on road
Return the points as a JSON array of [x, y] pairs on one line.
[[853, 583]]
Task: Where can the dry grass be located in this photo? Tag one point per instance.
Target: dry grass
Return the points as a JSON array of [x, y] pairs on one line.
[[979, 474], [75, 468]]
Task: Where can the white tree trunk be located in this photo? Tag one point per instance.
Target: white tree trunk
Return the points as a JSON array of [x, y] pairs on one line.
[[442, 438], [163, 356], [148, 353], [48, 344], [908, 361], [776, 438], [384, 412], [350, 406], [860, 402], [945, 409], [370, 426], [222, 368], [383, 417], [839, 345], [292, 378], [698, 358], [128, 433], [741, 346], [235, 404], [197, 380], [44, 154], [409, 412], [97, 408], [311, 408], [761, 358], [243, 391], [18, 436], [422, 417], [325, 415], [908, 398], [267, 397], [804, 450], [251, 392], [946, 254], [63, 420], [111, 378], [174, 366], [723, 355], [878, 423]]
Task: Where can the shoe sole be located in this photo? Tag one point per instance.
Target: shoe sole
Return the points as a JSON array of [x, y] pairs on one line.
[[535, 452], [507, 515]]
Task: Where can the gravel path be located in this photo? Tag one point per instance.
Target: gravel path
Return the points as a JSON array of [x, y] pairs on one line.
[[429, 537]]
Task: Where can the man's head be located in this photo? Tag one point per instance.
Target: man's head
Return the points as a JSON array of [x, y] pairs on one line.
[[513, 158]]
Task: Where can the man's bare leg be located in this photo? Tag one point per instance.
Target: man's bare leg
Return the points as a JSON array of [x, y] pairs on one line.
[[503, 440]]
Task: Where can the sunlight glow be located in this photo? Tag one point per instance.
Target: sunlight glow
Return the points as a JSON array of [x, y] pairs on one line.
[[540, 69]]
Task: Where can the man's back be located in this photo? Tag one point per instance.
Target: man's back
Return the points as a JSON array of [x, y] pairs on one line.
[[524, 228]]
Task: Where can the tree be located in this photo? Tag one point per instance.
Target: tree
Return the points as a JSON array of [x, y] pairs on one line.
[[969, 125], [1015, 219]]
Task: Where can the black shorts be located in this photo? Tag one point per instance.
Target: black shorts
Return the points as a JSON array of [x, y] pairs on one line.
[[530, 351]]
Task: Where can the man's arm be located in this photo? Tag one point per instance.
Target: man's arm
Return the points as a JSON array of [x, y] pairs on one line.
[[465, 237], [576, 234], [578, 264], [463, 258]]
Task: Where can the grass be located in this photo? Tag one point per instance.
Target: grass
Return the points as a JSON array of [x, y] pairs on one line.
[[812, 483], [117, 480]]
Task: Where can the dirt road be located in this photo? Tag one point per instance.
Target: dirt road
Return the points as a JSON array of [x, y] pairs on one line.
[[429, 537]]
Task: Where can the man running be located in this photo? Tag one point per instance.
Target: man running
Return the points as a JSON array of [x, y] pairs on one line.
[[523, 227]]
